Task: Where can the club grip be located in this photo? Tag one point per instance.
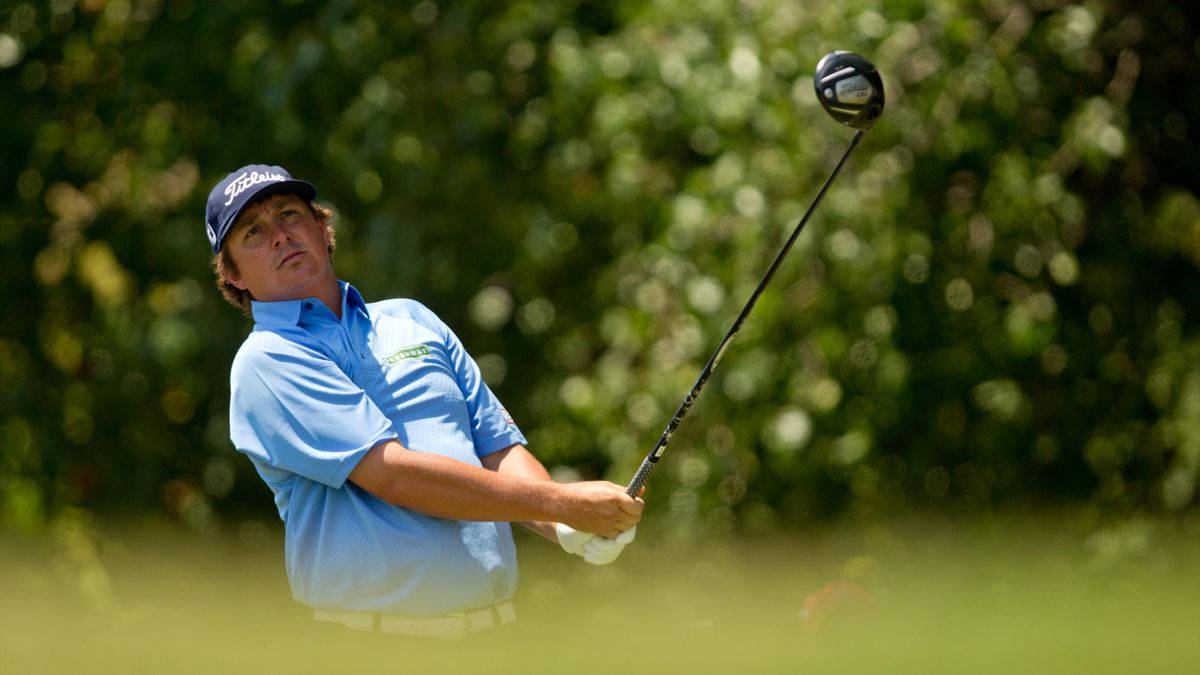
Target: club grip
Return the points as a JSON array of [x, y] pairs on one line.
[[642, 475]]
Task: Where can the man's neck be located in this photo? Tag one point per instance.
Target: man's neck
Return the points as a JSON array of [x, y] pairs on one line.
[[331, 294]]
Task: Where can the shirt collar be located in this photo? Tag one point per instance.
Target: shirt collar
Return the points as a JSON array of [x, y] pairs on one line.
[[351, 298], [288, 312]]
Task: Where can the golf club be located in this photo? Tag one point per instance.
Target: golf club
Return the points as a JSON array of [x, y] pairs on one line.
[[850, 90]]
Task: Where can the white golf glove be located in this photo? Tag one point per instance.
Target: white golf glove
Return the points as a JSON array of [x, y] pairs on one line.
[[572, 540], [602, 550]]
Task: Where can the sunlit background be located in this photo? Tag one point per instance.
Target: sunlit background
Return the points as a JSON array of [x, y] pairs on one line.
[[989, 327]]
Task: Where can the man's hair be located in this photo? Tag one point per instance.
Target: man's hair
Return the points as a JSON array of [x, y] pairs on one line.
[[223, 262]]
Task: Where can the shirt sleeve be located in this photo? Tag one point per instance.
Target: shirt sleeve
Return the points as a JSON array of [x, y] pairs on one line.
[[491, 426], [292, 408]]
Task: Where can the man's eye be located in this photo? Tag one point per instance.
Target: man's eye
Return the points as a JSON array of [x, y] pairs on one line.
[[287, 213], [252, 230]]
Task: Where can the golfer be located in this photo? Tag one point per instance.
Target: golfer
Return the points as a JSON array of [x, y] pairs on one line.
[[395, 469]]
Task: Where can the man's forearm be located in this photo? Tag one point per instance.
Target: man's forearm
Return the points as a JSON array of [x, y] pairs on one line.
[[516, 460], [439, 486], [446, 488]]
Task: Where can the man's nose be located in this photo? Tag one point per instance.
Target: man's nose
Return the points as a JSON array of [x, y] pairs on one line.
[[279, 235]]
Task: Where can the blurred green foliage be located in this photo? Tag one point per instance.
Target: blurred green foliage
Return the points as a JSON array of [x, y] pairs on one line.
[[997, 302]]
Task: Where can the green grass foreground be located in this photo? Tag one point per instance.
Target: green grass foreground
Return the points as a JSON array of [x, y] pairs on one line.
[[1036, 593]]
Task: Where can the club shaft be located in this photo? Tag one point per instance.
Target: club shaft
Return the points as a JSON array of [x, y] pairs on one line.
[[648, 464]]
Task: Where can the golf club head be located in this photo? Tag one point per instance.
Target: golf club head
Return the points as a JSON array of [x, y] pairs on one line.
[[849, 88]]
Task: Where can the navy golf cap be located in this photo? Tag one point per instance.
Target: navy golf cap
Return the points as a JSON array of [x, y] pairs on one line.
[[230, 196]]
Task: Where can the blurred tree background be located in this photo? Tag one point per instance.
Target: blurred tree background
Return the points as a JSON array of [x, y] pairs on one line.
[[997, 304]]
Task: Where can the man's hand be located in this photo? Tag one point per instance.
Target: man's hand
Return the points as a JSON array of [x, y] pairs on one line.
[[602, 550], [600, 507]]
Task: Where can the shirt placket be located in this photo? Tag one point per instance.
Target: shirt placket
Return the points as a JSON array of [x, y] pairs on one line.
[[350, 332]]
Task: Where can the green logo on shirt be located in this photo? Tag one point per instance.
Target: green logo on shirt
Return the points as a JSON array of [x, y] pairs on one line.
[[407, 353]]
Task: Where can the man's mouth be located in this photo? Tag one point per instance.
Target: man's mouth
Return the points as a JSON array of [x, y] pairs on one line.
[[289, 256]]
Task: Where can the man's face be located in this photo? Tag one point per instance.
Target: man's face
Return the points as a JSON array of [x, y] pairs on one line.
[[281, 250]]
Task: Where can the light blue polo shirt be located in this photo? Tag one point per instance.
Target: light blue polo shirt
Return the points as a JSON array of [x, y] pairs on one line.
[[310, 395]]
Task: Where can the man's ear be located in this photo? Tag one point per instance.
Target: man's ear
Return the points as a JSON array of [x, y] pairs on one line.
[[233, 277]]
